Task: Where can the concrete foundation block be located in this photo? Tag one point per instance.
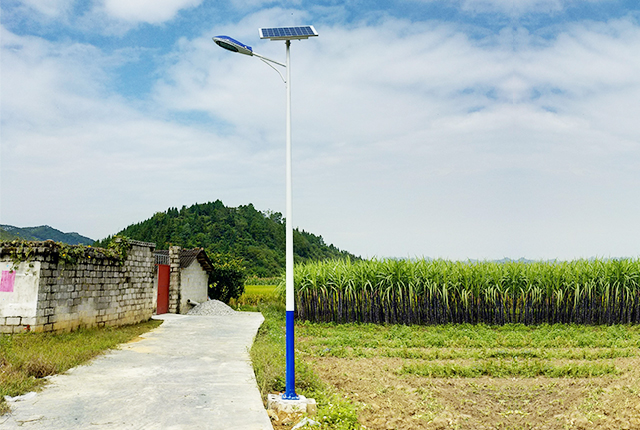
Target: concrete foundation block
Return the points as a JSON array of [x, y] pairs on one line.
[[29, 321], [302, 405], [12, 321]]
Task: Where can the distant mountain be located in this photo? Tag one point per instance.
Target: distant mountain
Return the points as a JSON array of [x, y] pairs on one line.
[[43, 232], [7, 235], [506, 260], [256, 237], [511, 260]]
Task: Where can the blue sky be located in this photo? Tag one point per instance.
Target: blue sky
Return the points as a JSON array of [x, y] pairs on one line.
[[461, 129]]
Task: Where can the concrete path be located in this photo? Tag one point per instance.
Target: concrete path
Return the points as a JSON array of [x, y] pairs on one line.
[[192, 372]]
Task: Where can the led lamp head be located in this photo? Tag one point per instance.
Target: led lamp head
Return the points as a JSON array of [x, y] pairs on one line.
[[232, 45]]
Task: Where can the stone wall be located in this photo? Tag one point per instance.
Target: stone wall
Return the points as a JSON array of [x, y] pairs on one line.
[[45, 293], [174, 279]]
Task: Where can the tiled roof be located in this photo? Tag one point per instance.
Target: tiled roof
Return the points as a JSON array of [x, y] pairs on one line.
[[204, 261], [187, 256]]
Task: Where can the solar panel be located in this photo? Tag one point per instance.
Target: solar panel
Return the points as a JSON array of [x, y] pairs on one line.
[[288, 33]]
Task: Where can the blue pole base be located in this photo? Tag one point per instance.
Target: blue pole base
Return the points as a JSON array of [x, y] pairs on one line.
[[285, 396], [290, 392]]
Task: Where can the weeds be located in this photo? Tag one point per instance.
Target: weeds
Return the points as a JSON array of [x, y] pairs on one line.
[[509, 369], [268, 358], [471, 351], [26, 358]]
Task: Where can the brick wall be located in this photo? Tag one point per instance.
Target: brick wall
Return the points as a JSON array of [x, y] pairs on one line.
[[97, 290]]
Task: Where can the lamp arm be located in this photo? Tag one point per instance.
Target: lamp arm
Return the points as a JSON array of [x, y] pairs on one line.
[[263, 58], [271, 65]]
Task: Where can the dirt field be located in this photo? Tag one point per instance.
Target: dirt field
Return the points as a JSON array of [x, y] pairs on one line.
[[389, 398]]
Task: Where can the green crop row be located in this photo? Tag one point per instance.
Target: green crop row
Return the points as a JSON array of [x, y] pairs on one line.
[[441, 292], [504, 369]]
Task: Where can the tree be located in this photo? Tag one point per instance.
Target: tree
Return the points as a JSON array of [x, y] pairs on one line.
[[226, 280], [257, 238]]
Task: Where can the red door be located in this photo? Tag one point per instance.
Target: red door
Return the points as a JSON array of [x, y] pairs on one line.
[[163, 289]]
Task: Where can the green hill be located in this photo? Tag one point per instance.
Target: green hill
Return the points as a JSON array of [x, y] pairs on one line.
[[256, 237], [41, 233]]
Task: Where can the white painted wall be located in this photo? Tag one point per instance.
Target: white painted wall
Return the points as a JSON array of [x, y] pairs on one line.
[[193, 285], [23, 300]]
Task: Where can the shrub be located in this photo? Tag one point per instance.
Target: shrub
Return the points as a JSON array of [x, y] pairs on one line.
[[226, 280]]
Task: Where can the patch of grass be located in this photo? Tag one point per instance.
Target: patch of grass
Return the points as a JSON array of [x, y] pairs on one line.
[[253, 296], [268, 358], [432, 354], [268, 350], [513, 350], [264, 290], [328, 335], [268, 355], [26, 358], [254, 280], [509, 369], [334, 412]]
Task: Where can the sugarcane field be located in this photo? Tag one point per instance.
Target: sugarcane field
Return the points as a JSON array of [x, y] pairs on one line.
[[434, 344]]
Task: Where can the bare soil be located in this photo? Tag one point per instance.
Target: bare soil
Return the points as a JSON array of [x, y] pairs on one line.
[[388, 400]]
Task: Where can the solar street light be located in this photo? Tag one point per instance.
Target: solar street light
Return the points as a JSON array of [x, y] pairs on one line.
[[287, 34], [233, 45]]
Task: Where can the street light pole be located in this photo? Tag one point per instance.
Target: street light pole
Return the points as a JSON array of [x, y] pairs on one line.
[[287, 34], [290, 392]]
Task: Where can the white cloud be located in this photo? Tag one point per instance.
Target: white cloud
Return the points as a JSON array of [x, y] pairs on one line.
[[150, 11], [421, 133], [50, 8], [78, 158], [252, 4], [513, 7], [43, 82], [409, 139], [517, 8]]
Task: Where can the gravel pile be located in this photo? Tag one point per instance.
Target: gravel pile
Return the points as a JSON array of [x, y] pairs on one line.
[[211, 307]]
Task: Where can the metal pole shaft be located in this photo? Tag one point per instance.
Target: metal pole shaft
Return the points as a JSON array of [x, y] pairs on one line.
[[290, 392]]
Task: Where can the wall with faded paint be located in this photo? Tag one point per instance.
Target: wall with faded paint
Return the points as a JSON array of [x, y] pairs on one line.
[[19, 292], [49, 295]]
